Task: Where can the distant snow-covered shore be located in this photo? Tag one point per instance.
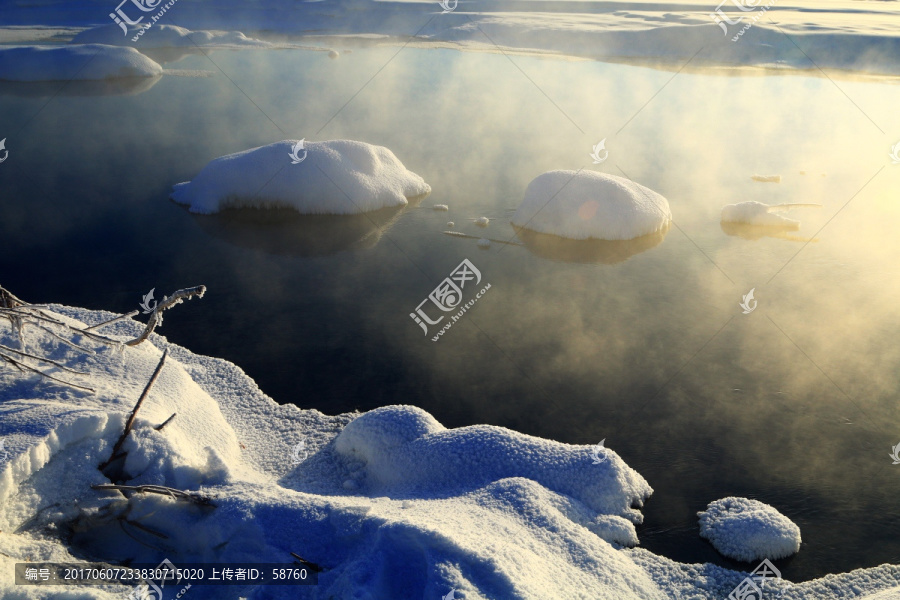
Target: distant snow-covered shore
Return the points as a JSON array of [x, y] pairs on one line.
[[801, 34]]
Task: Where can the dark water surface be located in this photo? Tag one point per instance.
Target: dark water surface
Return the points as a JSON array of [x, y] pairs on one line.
[[643, 345]]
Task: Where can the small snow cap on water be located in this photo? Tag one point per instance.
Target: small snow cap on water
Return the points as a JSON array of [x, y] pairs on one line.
[[482, 221], [441, 207], [757, 213], [484, 243], [748, 530], [333, 54], [587, 204], [767, 178], [338, 177], [451, 224], [80, 63]]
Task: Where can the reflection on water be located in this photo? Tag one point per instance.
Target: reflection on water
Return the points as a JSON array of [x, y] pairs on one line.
[[120, 86], [285, 231], [793, 404], [749, 231], [606, 252]]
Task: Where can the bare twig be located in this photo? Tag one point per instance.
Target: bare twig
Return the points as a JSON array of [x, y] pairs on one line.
[[119, 318], [69, 343], [164, 423], [22, 366], [42, 359], [157, 489], [130, 423], [164, 304], [8, 300], [41, 316]]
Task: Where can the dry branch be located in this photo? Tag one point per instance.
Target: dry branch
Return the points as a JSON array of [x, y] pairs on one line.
[[42, 359], [130, 423], [113, 320], [164, 304], [23, 367], [157, 489]]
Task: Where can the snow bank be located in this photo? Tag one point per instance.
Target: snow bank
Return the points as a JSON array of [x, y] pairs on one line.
[[763, 215], [406, 452], [165, 36], [64, 63], [336, 177], [586, 204], [748, 530], [389, 503]]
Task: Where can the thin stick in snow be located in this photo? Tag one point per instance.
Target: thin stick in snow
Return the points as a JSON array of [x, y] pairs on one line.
[[130, 423]]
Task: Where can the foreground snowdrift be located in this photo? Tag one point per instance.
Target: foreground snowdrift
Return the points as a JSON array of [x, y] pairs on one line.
[[339, 177], [390, 503], [79, 63]]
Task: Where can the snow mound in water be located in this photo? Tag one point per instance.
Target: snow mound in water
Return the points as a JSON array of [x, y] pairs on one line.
[[748, 530], [406, 452], [586, 204], [79, 63], [757, 213], [165, 36], [338, 177]]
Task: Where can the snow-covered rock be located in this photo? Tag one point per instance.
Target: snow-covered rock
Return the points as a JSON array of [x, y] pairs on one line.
[[764, 215], [587, 204], [748, 530], [165, 36], [75, 62], [337, 177]]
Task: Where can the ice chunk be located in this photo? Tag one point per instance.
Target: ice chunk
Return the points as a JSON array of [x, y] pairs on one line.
[[66, 63], [757, 213], [767, 178], [586, 204], [338, 177], [748, 530]]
